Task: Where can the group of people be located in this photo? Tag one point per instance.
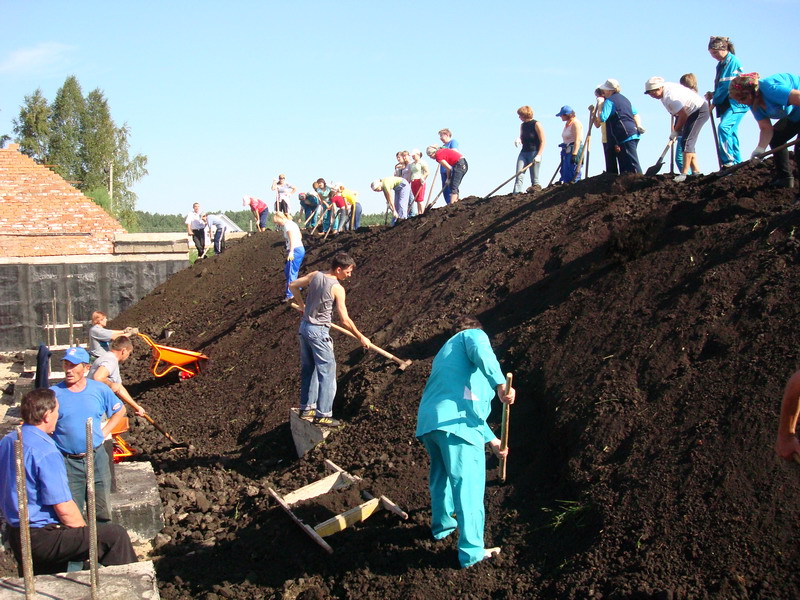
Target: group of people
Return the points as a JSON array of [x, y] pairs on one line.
[[451, 420], [199, 225], [405, 190], [54, 455], [768, 98]]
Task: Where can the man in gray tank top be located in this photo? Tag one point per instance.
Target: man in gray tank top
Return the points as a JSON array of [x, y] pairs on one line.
[[317, 361]]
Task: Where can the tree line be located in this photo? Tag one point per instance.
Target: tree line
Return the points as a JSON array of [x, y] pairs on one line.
[[76, 137]]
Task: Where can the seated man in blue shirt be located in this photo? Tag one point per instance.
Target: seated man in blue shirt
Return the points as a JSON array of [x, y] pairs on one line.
[[80, 398], [58, 530]]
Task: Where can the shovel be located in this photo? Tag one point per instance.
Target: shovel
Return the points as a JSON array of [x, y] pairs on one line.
[[714, 129], [504, 431], [734, 168], [138, 408], [660, 163], [402, 364]]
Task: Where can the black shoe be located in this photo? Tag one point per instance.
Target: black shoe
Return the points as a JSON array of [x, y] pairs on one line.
[[327, 422], [783, 182], [308, 414]]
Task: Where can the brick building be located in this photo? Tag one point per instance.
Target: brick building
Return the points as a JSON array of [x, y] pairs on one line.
[[43, 215]]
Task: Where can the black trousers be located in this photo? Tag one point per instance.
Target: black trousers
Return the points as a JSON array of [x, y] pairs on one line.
[[783, 131], [53, 546], [199, 237]]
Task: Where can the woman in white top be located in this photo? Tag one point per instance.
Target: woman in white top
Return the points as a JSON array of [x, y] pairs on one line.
[[691, 113], [571, 139]]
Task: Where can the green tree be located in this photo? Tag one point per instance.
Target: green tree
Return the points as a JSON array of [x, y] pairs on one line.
[[65, 131], [32, 128], [80, 139]]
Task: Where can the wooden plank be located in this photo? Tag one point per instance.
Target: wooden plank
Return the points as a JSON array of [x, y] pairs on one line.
[[334, 481], [392, 507], [346, 519], [310, 531]]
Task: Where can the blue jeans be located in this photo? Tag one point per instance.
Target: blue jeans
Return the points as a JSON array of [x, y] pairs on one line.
[[317, 369], [457, 481], [628, 157], [402, 193], [523, 159], [219, 240], [292, 268], [76, 477]]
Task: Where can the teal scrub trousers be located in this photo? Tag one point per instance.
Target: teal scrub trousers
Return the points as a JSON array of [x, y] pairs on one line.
[[457, 483]]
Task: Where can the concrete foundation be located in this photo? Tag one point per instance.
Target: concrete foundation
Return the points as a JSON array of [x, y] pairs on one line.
[[136, 505], [123, 582], [110, 283]]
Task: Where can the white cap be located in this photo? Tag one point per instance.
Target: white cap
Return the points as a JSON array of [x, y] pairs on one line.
[[611, 85], [653, 84]]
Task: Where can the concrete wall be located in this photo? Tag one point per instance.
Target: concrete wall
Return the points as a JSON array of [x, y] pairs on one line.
[[109, 283]]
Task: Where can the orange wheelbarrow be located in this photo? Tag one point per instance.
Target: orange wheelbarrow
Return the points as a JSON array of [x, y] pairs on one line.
[[166, 358]]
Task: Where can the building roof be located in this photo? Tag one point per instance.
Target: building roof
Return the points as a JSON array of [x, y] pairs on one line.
[[43, 215]]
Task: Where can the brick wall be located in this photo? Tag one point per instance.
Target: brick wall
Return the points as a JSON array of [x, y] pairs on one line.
[[42, 215]]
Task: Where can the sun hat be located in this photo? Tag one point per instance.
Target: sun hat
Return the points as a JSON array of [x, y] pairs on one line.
[[653, 84]]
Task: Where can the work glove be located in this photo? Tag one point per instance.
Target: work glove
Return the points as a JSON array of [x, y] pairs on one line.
[[640, 130], [290, 257], [574, 159], [673, 135], [518, 142], [756, 154], [537, 158]]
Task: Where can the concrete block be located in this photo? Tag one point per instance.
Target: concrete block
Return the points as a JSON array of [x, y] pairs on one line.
[[305, 434], [136, 505], [122, 582]]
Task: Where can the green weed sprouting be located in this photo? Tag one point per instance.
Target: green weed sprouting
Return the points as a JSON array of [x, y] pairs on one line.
[[569, 512]]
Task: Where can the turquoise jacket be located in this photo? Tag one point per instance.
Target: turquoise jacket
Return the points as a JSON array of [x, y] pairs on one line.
[[458, 396]]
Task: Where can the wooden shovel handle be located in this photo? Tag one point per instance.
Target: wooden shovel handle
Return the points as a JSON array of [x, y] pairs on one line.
[[403, 363], [504, 429]]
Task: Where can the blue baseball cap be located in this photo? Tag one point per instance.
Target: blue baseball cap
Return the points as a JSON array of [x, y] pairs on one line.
[[76, 355], [565, 110]]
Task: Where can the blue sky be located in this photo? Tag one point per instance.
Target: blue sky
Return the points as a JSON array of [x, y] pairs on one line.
[[222, 96]]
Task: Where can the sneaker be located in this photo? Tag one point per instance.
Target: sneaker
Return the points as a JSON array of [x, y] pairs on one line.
[[728, 165], [308, 414], [680, 178], [327, 422]]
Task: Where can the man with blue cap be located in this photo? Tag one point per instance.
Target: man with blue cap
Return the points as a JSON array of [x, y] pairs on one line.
[[79, 399], [58, 532], [451, 424]]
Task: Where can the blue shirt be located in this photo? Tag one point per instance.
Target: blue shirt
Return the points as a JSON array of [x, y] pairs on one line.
[[727, 69], [95, 401], [45, 475], [605, 113], [459, 392], [775, 92], [215, 221]]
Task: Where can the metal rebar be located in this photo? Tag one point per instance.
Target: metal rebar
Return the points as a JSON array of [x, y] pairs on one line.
[[91, 508], [24, 531]]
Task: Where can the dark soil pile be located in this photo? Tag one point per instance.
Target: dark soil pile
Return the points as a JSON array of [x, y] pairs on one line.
[[648, 326]]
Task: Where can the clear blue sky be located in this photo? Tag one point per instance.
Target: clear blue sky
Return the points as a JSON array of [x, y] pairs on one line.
[[222, 96]]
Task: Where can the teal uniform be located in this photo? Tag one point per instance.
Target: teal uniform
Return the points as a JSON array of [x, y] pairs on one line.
[[451, 424]]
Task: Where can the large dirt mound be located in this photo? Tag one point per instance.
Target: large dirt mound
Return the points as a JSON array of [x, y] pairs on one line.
[[648, 327]]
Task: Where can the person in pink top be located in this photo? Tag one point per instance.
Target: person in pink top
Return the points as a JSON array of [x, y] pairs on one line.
[[454, 163], [260, 211]]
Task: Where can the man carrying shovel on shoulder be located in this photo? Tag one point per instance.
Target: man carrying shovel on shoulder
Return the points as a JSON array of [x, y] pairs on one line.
[[317, 361]]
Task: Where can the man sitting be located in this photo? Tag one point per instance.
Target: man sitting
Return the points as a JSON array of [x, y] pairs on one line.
[[57, 529]]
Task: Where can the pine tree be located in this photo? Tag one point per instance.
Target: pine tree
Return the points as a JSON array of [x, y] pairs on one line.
[[65, 132], [32, 128]]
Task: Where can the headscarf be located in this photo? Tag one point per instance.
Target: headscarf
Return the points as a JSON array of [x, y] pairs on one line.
[[743, 85]]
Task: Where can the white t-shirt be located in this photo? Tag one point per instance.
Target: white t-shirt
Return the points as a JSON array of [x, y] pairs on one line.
[[195, 220], [677, 97], [291, 225]]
